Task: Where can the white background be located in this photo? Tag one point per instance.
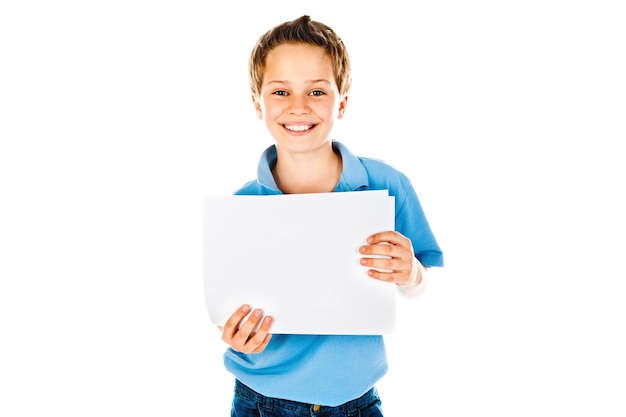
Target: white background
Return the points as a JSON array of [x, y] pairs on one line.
[[117, 118]]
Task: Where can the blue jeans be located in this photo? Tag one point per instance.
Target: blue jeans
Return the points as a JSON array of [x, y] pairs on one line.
[[249, 403]]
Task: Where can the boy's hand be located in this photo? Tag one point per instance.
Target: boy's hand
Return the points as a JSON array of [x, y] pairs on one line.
[[243, 338], [399, 260]]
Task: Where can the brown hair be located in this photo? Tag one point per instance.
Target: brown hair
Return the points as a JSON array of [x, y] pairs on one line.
[[301, 30]]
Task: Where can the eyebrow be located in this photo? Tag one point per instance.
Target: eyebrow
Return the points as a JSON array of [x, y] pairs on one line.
[[324, 81]]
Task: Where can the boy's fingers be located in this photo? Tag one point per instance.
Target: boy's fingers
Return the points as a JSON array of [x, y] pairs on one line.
[[249, 341], [386, 236], [387, 276], [263, 345], [233, 321], [377, 249], [247, 328], [262, 337]]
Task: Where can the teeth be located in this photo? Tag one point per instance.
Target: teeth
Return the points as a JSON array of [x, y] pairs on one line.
[[298, 128]]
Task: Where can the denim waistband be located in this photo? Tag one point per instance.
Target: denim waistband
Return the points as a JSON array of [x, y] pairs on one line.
[[268, 403]]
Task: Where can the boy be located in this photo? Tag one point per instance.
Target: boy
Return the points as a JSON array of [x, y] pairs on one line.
[[300, 77]]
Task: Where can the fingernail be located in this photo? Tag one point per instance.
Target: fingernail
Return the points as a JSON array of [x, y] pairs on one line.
[[257, 313], [362, 249], [245, 308], [363, 261]]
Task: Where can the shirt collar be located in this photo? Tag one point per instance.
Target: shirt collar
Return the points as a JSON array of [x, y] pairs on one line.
[[264, 170], [353, 177]]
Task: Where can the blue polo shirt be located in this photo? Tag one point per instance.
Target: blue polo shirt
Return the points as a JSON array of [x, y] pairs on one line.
[[329, 369]]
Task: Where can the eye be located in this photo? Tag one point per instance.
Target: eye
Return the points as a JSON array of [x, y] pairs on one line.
[[317, 93], [280, 93]]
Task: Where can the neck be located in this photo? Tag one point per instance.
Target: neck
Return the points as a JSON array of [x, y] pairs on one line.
[[311, 173]]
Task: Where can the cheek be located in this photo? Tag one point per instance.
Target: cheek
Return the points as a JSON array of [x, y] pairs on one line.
[[334, 112], [270, 110]]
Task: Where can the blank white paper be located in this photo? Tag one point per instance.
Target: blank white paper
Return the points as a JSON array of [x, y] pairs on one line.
[[296, 257]]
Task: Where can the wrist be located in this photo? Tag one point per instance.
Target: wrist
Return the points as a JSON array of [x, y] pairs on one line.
[[416, 276], [416, 284]]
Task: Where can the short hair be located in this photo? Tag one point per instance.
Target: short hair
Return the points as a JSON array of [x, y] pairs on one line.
[[301, 30]]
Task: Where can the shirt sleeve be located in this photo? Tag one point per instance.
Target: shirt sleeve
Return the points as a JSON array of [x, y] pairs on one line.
[[411, 222]]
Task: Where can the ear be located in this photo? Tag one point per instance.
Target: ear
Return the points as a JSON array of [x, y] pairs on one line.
[[342, 107], [257, 106]]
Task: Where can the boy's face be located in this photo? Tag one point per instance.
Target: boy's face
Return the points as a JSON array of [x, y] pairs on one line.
[[299, 99]]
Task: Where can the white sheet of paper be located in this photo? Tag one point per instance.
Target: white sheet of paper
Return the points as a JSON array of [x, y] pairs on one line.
[[296, 257]]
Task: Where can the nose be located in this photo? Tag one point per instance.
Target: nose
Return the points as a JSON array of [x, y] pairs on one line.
[[298, 104]]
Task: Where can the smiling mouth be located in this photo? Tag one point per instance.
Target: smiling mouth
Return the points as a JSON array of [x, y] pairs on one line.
[[299, 127]]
